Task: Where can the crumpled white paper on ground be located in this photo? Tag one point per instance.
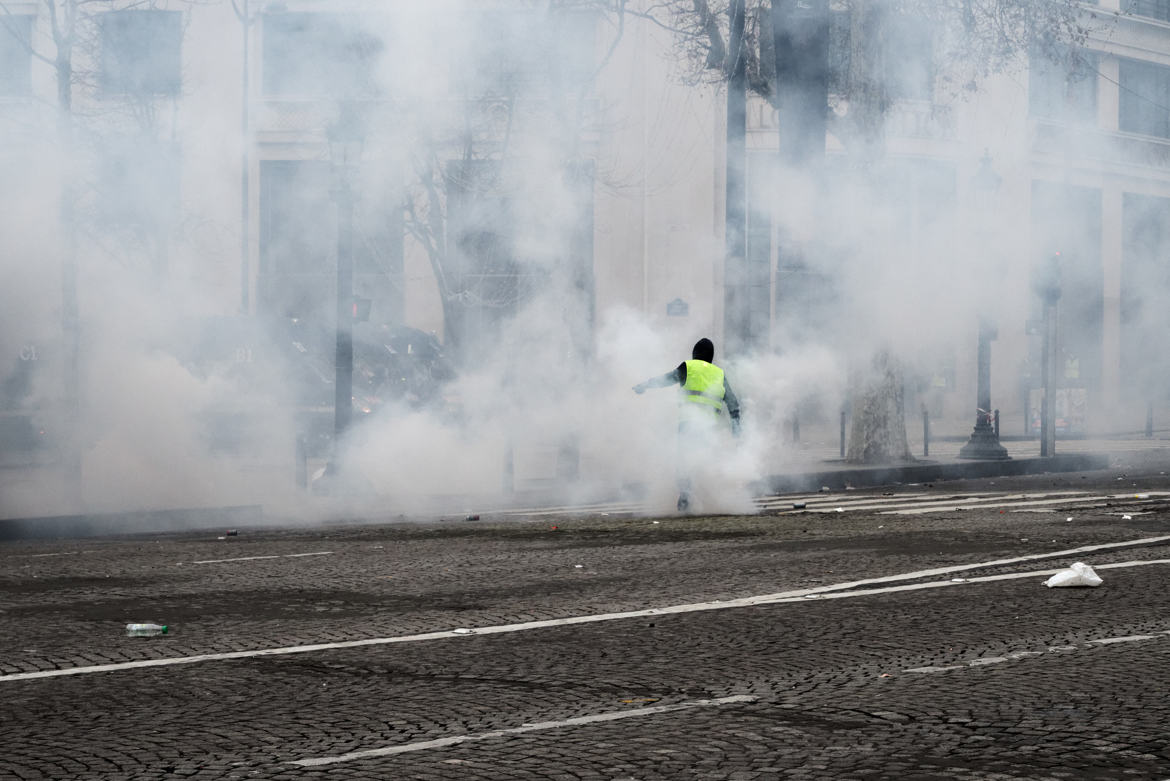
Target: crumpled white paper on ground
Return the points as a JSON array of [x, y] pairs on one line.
[[1078, 574]]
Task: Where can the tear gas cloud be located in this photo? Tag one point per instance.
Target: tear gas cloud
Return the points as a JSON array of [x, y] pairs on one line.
[[533, 188]]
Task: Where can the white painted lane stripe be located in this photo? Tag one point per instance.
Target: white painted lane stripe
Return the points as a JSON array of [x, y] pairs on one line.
[[1038, 573], [815, 501], [986, 660], [569, 508], [596, 718], [1032, 503], [921, 500], [923, 503], [794, 595], [981, 503], [258, 558]]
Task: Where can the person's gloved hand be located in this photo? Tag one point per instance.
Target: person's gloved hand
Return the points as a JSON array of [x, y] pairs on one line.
[[640, 388]]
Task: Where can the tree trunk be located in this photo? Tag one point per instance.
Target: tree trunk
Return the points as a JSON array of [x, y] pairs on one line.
[[70, 307], [878, 434], [737, 334]]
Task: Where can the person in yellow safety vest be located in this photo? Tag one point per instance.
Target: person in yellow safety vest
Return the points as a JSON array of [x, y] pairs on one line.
[[705, 394]]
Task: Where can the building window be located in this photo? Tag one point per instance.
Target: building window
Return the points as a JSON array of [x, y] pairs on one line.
[[1068, 219], [15, 55], [137, 184], [1063, 89], [1145, 98], [318, 54], [909, 59], [140, 52], [1145, 284], [525, 53], [297, 239], [1155, 9], [909, 49]]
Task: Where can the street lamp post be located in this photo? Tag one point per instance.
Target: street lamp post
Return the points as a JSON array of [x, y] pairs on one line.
[[984, 441], [345, 138], [1047, 285]]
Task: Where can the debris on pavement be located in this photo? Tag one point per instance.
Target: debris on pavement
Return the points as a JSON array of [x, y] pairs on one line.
[[1078, 574], [463, 631]]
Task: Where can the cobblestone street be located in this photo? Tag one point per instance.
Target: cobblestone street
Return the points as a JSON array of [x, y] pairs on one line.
[[880, 634]]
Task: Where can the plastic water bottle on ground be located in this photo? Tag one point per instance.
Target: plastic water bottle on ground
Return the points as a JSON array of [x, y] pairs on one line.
[[145, 630]]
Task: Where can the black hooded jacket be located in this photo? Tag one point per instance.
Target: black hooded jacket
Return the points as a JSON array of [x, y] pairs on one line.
[[704, 350]]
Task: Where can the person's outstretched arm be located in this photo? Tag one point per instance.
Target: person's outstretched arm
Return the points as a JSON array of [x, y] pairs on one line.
[[677, 376], [731, 402]]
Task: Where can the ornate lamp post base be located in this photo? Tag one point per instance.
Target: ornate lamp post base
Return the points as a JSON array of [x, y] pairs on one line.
[[984, 444]]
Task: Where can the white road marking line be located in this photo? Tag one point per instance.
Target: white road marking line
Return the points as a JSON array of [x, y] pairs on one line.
[[795, 595], [909, 499], [941, 504], [822, 502], [568, 508], [1126, 639], [1039, 573], [544, 725], [258, 558], [1030, 503], [982, 661], [632, 508]]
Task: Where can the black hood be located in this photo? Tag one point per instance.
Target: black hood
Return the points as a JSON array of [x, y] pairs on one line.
[[704, 351]]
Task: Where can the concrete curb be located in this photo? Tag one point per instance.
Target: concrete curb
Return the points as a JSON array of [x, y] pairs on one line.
[[930, 471], [141, 522], [838, 477]]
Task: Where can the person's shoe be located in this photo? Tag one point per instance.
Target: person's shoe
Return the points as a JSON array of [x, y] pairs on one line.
[[683, 503]]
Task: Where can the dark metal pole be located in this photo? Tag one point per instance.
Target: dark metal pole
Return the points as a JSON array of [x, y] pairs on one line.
[[736, 303], [1048, 374], [245, 201], [343, 400], [301, 462], [1047, 284], [842, 432], [925, 431], [1044, 383]]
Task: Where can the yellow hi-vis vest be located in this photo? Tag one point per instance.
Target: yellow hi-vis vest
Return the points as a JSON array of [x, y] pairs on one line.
[[703, 389]]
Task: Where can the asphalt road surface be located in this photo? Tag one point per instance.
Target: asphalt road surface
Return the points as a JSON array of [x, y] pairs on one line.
[[898, 633]]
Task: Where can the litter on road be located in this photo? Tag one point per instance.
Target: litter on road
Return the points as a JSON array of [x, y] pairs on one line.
[[1078, 574]]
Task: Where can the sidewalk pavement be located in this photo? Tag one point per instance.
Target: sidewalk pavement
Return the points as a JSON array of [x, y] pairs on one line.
[[819, 462], [815, 462]]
